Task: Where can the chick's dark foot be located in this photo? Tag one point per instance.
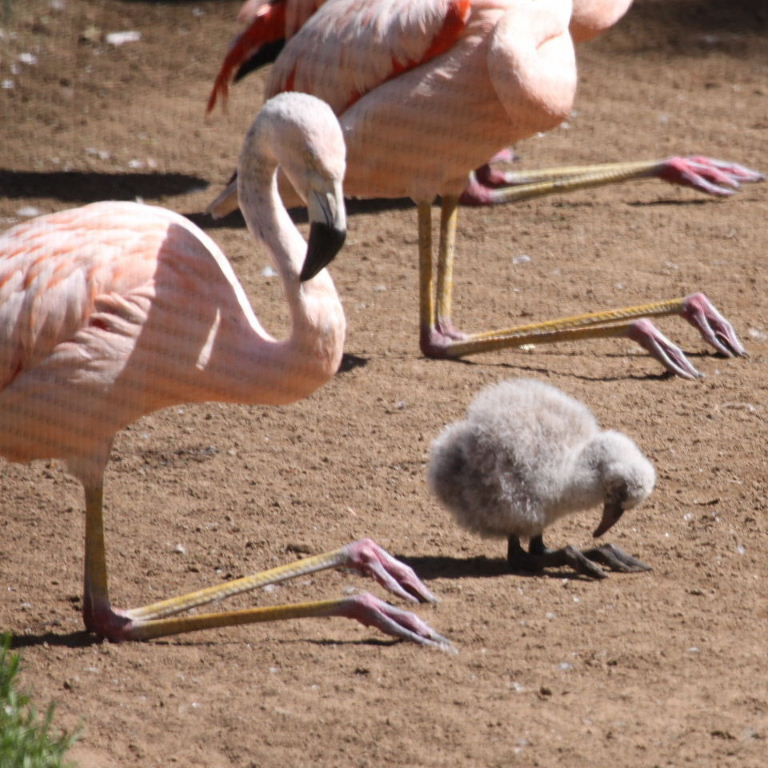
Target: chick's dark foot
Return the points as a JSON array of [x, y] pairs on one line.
[[616, 559], [540, 556]]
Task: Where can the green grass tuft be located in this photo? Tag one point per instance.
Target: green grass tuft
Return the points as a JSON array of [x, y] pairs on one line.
[[26, 737]]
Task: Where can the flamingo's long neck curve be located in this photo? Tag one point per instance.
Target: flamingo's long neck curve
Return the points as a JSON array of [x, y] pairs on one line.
[[312, 353]]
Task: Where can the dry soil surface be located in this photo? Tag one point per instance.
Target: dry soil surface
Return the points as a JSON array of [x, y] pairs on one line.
[[666, 668]]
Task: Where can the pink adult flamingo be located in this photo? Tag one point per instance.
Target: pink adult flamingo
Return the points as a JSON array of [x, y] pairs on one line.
[[412, 82], [113, 310]]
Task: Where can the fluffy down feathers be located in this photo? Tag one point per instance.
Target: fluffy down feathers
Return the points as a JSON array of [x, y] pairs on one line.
[[527, 454]]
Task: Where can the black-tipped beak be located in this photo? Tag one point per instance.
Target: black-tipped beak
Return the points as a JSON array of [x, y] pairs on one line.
[[612, 513], [325, 242]]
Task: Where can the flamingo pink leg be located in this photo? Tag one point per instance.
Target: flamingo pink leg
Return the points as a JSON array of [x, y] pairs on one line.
[[492, 186]]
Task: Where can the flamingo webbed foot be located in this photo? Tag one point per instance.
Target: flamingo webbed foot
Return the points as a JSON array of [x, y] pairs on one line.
[[396, 622], [368, 558], [705, 174], [650, 338], [701, 313]]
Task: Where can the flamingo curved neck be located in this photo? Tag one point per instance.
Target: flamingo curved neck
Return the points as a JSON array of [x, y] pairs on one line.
[[288, 370]]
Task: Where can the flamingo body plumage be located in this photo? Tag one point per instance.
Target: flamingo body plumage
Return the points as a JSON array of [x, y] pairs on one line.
[[509, 72], [116, 309], [412, 82]]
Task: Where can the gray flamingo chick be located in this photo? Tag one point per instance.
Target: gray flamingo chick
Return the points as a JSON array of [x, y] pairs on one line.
[[528, 454]]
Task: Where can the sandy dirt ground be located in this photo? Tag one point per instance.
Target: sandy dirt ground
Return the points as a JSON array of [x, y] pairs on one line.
[[666, 668]]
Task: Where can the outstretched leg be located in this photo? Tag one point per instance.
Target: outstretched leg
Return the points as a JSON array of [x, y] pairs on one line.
[[154, 620], [365, 608], [440, 338], [488, 186]]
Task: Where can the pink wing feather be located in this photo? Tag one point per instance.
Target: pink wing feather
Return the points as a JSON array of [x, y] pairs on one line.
[[349, 47], [50, 286]]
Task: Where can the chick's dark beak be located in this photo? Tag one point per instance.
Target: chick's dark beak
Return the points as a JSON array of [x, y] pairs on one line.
[[612, 512]]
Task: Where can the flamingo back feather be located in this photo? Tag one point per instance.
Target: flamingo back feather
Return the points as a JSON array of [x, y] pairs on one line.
[[356, 48], [346, 48], [49, 286]]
